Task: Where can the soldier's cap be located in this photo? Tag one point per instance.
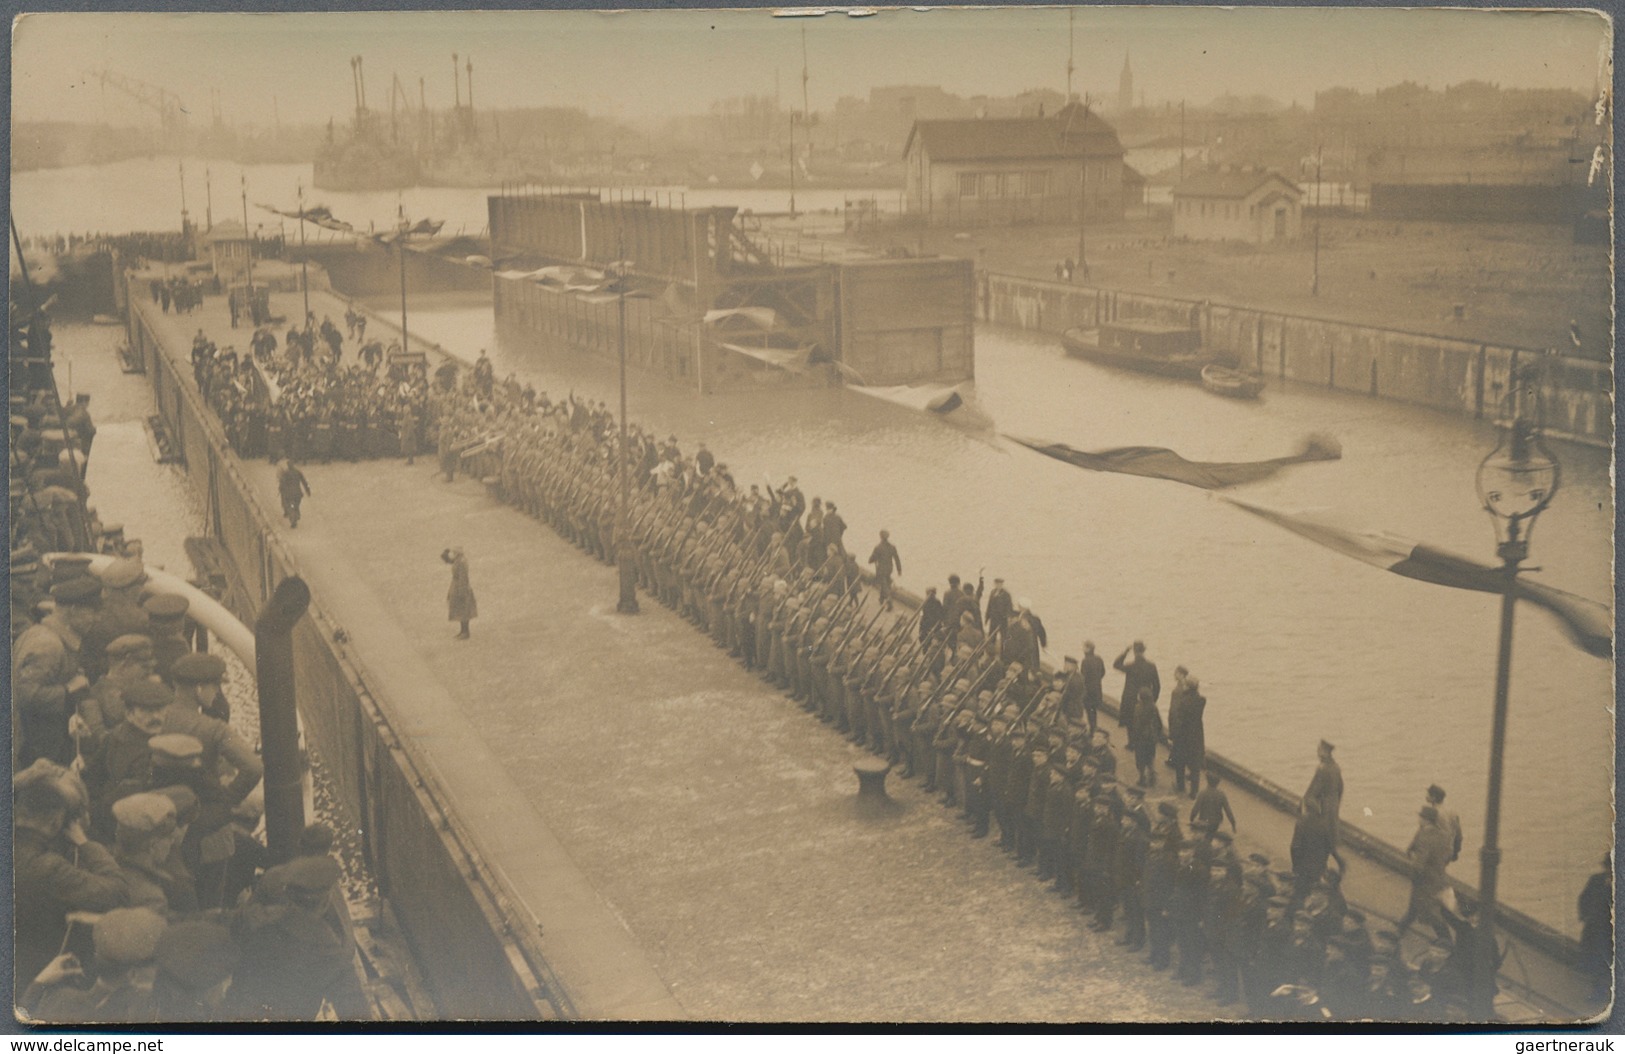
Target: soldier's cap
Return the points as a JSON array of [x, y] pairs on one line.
[[198, 668], [148, 695], [129, 644], [185, 799], [128, 935], [1326, 746], [124, 572], [80, 589], [312, 873], [1069, 661], [175, 747], [166, 605], [144, 813], [1435, 792], [197, 954], [1168, 808], [1259, 858]]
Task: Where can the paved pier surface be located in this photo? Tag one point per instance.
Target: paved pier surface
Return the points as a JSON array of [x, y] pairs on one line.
[[687, 838]]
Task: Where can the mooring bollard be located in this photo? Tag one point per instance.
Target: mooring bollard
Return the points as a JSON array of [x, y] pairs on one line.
[[872, 779]]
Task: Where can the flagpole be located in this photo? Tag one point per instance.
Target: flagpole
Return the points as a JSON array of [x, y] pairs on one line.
[[401, 215], [304, 258]]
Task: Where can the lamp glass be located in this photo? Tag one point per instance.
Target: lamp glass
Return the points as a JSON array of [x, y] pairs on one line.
[[1516, 488]]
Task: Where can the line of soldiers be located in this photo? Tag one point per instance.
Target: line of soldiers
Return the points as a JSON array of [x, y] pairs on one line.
[[961, 705]]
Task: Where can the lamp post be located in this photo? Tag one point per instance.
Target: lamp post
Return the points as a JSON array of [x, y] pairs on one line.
[[1516, 482], [248, 243], [624, 557]]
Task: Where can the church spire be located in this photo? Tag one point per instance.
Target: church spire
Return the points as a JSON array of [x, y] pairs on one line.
[[1125, 86]]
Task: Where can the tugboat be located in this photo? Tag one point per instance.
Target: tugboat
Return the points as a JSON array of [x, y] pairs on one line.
[[1150, 347]]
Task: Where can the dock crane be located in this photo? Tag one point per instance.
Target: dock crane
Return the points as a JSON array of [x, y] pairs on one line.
[[171, 111]]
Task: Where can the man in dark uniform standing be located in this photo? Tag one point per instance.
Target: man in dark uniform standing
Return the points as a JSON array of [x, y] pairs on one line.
[[1093, 671], [1000, 606]]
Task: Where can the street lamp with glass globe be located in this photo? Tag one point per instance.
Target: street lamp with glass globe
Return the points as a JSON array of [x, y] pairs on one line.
[[1515, 484]]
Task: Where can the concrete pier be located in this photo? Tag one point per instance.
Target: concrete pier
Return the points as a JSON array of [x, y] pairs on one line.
[[684, 839]]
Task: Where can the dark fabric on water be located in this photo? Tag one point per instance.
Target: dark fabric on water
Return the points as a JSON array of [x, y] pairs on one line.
[[1161, 463]]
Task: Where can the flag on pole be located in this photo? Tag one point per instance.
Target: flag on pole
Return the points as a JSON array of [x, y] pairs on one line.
[[1587, 623], [1161, 463]]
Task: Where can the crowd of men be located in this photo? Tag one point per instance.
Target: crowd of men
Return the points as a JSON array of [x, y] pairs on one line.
[[142, 893], [954, 694], [180, 292], [306, 402]]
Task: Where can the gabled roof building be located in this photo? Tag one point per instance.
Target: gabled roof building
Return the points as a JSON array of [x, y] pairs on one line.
[[1015, 169], [1245, 205]]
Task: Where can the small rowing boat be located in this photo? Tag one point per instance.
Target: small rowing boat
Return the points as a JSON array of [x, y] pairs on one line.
[[1236, 384]]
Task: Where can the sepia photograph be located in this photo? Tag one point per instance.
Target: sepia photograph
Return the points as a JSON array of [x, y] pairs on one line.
[[829, 518]]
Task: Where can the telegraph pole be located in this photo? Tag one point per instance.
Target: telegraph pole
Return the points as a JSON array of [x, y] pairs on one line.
[[1083, 190], [1314, 285], [1071, 51]]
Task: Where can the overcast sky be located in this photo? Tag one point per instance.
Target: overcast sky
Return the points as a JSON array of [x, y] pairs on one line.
[[648, 63]]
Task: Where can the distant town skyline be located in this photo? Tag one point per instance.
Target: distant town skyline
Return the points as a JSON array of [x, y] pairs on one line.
[[643, 65]]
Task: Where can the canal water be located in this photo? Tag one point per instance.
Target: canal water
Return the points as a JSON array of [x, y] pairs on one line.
[[1293, 643]]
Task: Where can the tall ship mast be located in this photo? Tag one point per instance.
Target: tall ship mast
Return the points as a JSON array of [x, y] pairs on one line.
[[376, 155]]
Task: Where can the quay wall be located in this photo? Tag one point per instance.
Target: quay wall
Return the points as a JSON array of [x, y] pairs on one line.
[[478, 962], [1445, 373]]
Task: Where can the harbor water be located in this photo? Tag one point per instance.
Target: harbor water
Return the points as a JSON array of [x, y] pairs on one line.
[[1293, 643]]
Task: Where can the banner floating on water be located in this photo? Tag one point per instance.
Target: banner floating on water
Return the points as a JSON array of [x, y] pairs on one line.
[[1588, 624], [1161, 463]]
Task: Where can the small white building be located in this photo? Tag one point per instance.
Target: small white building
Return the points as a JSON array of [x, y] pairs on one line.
[[229, 250], [1246, 205]]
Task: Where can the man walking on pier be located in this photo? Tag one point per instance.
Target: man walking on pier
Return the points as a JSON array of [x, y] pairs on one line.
[[884, 558], [292, 486]]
